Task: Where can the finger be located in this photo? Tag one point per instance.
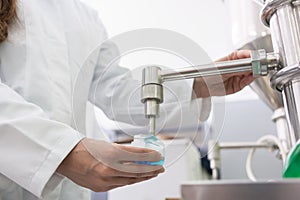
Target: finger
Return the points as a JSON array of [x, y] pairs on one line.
[[237, 84], [130, 153], [121, 181], [144, 179], [229, 86], [242, 54], [148, 174], [236, 55], [241, 74], [114, 154], [123, 171], [117, 182], [138, 174], [139, 168]]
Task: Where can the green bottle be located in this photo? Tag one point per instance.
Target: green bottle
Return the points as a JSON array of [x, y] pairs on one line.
[[292, 164]]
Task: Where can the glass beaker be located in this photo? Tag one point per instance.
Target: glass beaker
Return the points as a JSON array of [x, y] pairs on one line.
[[149, 141]]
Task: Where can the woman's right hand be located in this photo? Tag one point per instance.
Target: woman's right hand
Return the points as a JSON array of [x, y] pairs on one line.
[[101, 166]]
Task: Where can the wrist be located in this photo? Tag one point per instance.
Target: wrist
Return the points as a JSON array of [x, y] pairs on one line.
[[69, 159]]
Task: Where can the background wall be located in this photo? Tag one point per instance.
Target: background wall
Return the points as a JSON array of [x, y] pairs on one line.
[[203, 21]]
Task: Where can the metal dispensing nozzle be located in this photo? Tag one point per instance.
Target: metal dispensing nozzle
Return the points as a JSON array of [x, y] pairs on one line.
[[152, 94], [260, 63]]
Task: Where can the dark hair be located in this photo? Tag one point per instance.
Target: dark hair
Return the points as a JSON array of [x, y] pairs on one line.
[[7, 15]]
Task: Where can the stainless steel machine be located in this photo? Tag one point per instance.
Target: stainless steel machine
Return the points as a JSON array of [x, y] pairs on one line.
[[283, 18], [282, 70], [240, 190]]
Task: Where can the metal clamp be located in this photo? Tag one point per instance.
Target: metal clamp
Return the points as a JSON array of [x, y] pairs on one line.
[[270, 9], [263, 62]]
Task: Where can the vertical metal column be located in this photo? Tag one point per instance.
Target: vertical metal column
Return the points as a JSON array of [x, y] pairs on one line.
[[283, 18]]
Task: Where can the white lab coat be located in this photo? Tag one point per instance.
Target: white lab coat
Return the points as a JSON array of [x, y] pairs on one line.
[[39, 70]]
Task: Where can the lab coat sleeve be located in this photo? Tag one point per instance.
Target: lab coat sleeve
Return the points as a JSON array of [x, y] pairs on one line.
[[31, 145], [116, 91]]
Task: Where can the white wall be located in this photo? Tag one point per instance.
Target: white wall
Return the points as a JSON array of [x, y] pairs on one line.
[[204, 21]]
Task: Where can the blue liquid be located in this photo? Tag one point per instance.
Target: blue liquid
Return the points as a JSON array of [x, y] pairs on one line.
[[161, 162], [150, 142]]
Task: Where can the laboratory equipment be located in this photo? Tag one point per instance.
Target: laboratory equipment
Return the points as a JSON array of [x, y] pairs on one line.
[[229, 190], [282, 16], [272, 98], [260, 63], [248, 32], [283, 19], [270, 143]]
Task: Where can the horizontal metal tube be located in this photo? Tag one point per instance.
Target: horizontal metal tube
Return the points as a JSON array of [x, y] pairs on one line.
[[243, 145], [218, 68]]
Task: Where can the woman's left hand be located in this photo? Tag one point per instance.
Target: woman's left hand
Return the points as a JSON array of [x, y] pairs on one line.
[[224, 84]]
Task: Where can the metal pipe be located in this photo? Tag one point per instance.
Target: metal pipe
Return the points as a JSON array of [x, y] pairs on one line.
[[244, 145], [291, 100], [152, 125], [279, 117], [242, 65], [214, 153], [259, 64]]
